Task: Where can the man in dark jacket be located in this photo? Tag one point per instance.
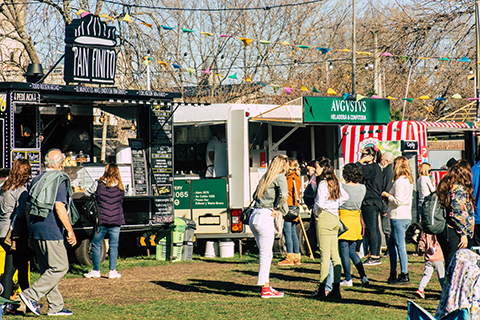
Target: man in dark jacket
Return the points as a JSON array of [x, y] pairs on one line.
[[387, 163]]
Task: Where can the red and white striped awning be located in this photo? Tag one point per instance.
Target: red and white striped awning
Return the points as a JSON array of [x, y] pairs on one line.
[[354, 135]]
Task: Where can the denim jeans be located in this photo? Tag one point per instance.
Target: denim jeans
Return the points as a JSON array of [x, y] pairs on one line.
[[347, 252], [397, 244], [113, 234], [261, 223], [291, 238]]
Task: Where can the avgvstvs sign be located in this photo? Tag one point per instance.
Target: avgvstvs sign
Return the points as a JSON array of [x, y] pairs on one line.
[[90, 55]]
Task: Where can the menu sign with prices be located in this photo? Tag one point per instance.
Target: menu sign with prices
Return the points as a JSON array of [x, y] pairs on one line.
[[32, 155], [139, 173], [161, 160]]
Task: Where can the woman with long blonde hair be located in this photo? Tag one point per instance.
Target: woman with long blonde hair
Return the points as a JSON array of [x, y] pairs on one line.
[[289, 227], [270, 201], [110, 193], [424, 184], [400, 212]]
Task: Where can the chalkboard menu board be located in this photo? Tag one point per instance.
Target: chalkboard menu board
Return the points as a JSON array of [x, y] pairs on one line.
[[32, 155], [161, 160], [139, 169]]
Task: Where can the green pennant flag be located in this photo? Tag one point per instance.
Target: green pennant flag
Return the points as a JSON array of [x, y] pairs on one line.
[[233, 76], [186, 30], [408, 99], [404, 58], [315, 90]]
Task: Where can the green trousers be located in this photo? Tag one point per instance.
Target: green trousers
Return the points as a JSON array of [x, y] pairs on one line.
[[327, 234]]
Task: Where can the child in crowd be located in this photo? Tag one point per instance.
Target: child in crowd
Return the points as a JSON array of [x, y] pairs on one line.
[[433, 260]]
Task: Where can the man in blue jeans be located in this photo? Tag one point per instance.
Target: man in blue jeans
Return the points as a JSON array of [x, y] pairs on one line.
[[52, 189]]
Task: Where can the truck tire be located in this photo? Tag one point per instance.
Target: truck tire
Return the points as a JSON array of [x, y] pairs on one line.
[[279, 246], [83, 252], [301, 239]]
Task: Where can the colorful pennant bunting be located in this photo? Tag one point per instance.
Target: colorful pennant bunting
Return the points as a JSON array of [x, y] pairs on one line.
[[288, 90], [331, 91]]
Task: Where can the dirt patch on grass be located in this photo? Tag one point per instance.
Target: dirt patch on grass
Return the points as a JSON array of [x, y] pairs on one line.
[[145, 283]]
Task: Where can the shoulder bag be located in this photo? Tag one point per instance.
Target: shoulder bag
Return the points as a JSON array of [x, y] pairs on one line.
[[247, 212], [90, 210], [293, 211]]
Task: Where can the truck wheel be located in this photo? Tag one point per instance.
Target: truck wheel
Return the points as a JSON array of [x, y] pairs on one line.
[[301, 239], [279, 246], [83, 252]]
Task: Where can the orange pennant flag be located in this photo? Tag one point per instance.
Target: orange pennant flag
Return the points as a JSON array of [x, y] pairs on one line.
[[245, 41]]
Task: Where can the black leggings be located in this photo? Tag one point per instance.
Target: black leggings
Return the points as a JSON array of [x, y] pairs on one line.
[[14, 260], [449, 240], [372, 228]]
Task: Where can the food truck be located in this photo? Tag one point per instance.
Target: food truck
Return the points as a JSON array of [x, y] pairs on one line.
[[36, 117], [253, 135]]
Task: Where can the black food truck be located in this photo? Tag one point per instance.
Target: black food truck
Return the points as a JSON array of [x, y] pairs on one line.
[[36, 117]]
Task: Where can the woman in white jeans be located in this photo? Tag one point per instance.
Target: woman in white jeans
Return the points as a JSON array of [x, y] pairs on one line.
[[270, 201]]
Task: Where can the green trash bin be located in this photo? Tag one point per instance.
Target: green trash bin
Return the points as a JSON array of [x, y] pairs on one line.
[[174, 234]]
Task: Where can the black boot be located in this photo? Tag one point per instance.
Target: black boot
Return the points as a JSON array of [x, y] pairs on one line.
[[335, 294], [319, 293], [403, 279], [392, 278]]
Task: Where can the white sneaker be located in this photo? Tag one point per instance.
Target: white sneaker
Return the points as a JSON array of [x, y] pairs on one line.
[[365, 281], [346, 283], [113, 274], [92, 274]]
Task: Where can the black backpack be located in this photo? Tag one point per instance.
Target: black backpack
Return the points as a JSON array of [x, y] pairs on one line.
[[90, 211], [433, 215]]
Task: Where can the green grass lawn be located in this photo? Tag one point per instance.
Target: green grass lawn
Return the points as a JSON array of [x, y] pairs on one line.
[[225, 288]]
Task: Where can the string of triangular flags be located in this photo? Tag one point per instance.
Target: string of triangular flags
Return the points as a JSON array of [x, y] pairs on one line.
[[288, 90], [247, 41]]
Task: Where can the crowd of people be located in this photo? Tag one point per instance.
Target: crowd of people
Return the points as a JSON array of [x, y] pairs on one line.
[[35, 215], [376, 192]]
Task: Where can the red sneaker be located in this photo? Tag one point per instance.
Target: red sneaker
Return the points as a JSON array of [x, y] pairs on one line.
[[269, 292], [420, 293]]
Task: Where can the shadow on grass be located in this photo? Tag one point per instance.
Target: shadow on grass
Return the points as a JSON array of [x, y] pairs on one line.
[[224, 261], [276, 276], [211, 287]]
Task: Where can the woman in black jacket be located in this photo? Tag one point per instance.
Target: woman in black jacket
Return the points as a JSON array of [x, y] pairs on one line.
[[110, 193], [372, 203]]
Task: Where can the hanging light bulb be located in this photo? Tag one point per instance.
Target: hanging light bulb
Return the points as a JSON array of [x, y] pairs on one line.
[[185, 54], [222, 57], [69, 116], [435, 69], [366, 66], [330, 65], [470, 71], [295, 62], [132, 127], [102, 118]]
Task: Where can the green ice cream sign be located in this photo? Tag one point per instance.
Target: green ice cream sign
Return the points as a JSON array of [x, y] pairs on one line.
[[338, 110]]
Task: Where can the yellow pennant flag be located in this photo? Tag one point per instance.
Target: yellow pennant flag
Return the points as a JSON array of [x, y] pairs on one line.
[[219, 75], [248, 79], [147, 24], [359, 97], [208, 34], [126, 18], [245, 41], [331, 91], [345, 50], [285, 43], [392, 98], [163, 63], [303, 88], [424, 98]]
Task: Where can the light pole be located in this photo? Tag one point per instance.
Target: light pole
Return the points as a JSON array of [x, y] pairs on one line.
[[354, 48], [477, 73]]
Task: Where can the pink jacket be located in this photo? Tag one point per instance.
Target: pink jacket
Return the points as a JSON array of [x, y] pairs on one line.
[[429, 243]]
